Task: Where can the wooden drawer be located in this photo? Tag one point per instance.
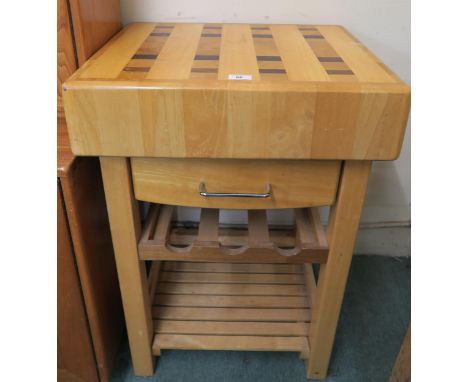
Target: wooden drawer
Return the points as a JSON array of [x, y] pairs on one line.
[[293, 183]]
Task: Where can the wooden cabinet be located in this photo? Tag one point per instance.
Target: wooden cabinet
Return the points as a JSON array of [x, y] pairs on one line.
[[90, 318]]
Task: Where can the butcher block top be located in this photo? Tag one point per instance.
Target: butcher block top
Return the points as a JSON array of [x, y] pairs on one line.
[[236, 91]]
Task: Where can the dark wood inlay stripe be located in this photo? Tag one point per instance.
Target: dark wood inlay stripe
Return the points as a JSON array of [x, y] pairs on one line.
[[210, 57], [204, 70], [262, 35], [330, 59], [139, 56], [160, 34], [211, 35], [272, 71], [211, 27], [340, 72], [268, 58], [307, 29], [313, 36], [135, 69], [260, 28]]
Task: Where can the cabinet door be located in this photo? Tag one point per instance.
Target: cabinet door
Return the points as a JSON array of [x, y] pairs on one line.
[[75, 358]]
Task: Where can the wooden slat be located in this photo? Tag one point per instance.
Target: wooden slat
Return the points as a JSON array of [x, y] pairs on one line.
[[304, 229], [232, 301], [299, 60], [116, 56], [164, 224], [361, 63], [310, 282], [228, 278], [208, 227], [258, 228], [176, 57], [318, 227], [150, 222], [153, 278], [231, 328], [249, 343], [254, 255], [232, 289], [232, 268], [230, 314], [237, 53]]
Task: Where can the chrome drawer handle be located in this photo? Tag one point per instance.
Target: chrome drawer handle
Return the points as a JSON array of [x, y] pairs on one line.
[[207, 194]]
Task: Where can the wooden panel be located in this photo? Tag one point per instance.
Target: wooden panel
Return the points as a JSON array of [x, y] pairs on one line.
[[294, 184], [94, 23], [305, 122], [110, 64], [176, 57], [245, 343], [66, 63], [89, 225], [237, 55], [125, 228], [231, 328], [75, 357]]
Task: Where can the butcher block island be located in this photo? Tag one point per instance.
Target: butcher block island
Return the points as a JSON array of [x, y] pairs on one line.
[[236, 91], [234, 116]]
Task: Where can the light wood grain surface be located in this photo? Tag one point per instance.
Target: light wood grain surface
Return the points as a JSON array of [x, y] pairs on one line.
[[66, 63], [125, 229], [75, 356], [269, 313], [307, 92], [94, 23], [294, 184], [342, 228]]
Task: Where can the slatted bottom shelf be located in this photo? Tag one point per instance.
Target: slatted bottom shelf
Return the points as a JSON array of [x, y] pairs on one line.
[[223, 306]]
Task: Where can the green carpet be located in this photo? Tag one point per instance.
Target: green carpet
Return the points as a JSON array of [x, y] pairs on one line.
[[373, 322]]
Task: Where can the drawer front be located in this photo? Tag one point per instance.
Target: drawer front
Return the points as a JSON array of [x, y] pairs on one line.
[[293, 183]]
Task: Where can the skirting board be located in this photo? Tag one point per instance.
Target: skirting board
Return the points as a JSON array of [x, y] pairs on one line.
[[385, 241]]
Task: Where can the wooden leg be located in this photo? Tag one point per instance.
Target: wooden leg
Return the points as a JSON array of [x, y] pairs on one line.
[[342, 229], [125, 228]]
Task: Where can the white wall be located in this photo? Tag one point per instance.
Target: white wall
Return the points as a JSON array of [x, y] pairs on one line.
[[382, 25]]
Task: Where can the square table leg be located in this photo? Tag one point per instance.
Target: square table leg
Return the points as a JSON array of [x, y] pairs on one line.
[[125, 229], [342, 229]]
